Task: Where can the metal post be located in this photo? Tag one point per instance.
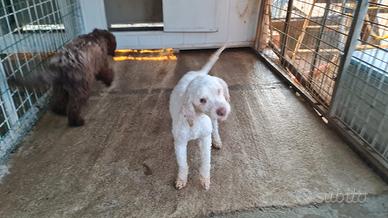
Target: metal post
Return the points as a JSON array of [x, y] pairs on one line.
[[286, 30], [9, 105], [350, 47], [259, 25], [321, 30]]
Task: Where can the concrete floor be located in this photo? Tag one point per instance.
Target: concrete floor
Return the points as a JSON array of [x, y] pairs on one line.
[[373, 206], [277, 152]]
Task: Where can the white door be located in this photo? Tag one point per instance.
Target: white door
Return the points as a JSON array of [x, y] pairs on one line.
[[190, 15]]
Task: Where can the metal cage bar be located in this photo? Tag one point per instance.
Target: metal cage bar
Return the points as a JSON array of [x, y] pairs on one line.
[[30, 31], [361, 100], [311, 52], [350, 47], [342, 69]]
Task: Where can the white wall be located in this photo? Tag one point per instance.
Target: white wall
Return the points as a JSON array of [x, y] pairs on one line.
[[236, 21]]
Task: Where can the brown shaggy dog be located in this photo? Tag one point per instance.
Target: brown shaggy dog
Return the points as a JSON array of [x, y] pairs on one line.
[[72, 71]]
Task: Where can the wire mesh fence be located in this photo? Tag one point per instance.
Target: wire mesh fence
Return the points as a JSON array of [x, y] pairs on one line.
[[308, 37], [30, 31], [337, 52], [362, 101]]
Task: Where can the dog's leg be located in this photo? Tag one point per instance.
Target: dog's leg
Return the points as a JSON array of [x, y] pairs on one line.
[[216, 135], [106, 76], [205, 144], [60, 100], [77, 100], [183, 169]]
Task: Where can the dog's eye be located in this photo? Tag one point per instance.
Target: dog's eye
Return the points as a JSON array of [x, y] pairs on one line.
[[202, 100]]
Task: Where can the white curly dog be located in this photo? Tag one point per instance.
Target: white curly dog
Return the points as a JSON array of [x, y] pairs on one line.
[[197, 103]]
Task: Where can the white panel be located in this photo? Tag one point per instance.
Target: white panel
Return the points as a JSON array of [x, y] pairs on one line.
[[189, 15], [170, 40], [242, 20], [194, 38], [126, 41], [152, 40], [222, 23]]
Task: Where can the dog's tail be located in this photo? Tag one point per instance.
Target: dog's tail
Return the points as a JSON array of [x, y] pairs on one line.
[[40, 78], [212, 60]]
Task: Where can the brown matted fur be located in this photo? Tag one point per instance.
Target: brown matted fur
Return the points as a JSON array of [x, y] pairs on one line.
[[72, 71]]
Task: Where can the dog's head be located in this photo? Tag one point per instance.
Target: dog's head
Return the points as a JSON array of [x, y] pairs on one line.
[[209, 95], [109, 38]]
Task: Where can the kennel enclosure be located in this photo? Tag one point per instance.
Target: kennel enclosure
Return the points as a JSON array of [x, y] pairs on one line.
[[334, 52]]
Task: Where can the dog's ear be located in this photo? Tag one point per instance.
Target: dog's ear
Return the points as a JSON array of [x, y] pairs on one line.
[[188, 110], [224, 89]]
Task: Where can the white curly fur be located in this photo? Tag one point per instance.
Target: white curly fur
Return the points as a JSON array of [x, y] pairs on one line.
[[197, 103]]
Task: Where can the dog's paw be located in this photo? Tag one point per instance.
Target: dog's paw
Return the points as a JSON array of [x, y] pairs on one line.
[[179, 184], [217, 145], [205, 182]]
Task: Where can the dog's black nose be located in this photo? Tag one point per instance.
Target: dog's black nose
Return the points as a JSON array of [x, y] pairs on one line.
[[221, 111]]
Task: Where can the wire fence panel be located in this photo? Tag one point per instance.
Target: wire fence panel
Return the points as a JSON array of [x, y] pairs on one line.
[[336, 51], [308, 39], [30, 31], [362, 100]]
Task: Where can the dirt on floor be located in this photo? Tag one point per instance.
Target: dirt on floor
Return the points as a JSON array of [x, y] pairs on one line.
[[277, 151]]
